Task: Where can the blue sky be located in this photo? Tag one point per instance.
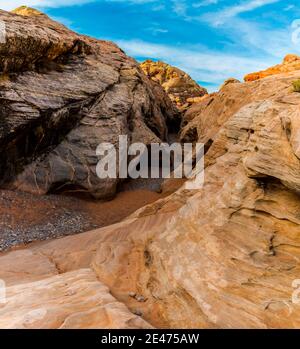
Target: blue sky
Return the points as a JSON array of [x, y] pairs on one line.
[[210, 39]]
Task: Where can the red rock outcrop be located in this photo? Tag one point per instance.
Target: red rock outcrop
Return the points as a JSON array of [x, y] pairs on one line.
[[289, 64]]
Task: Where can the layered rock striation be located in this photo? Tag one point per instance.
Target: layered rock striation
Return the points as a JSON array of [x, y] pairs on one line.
[[62, 94], [223, 256]]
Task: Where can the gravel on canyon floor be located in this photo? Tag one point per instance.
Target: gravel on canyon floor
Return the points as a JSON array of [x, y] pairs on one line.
[[25, 218]]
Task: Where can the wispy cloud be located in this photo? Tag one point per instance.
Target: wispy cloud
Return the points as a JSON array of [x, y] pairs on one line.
[[289, 7], [204, 3], [257, 38], [204, 65], [179, 7], [156, 29], [220, 17], [246, 7]]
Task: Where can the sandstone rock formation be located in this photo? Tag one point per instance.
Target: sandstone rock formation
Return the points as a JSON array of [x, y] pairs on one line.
[[289, 64], [77, 299], [63, 94], [203, 120], [229, 81], [27, 11], [180, 87], [223, 256]]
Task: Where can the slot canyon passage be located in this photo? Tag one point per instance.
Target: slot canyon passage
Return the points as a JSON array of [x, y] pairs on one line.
[[142, 254]]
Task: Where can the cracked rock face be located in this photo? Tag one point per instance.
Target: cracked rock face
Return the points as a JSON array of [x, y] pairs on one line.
[[62, 95], [224, 256]]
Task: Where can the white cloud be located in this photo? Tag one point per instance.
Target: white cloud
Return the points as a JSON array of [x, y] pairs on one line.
[[156, 30], [204, 3], [256, 38], [159, 7], [247, 6], [204, 65], [289, 7], [222, 16], [180, 7]]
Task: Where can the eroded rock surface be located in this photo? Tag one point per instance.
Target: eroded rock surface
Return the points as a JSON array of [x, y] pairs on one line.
[[203, 120], [63, 94], [73, 300], [180, 87], [289, 64], [224, 256]]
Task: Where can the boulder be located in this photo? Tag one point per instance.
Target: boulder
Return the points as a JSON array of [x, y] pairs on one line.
[[62, 94]]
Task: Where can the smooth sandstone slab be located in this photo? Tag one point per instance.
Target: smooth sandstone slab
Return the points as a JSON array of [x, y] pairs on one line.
[[72, 300]]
